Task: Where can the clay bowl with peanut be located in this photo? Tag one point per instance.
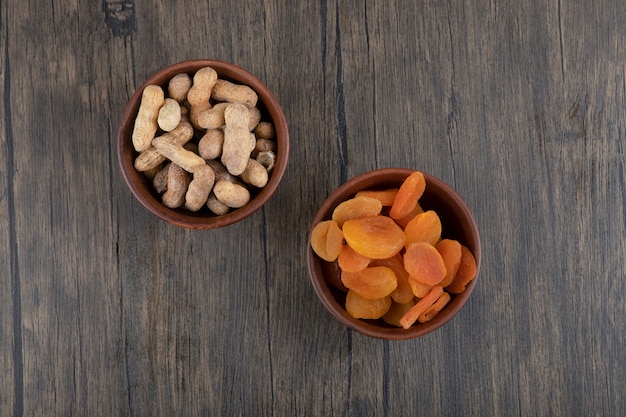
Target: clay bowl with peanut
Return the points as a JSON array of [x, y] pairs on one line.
[[394, 253], [203, 144]]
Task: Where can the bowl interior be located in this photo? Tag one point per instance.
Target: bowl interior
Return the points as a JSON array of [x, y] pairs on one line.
[[457, 223], [142, 188]]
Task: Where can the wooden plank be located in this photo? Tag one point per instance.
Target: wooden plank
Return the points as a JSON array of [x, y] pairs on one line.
[[65, 239], [10, 336]]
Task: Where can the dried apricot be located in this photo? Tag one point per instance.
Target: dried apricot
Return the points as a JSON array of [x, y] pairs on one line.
[[356, 208], [372, 282], [362, 308], [422, 305], [425, 227], [434, 309], [466, 272], [406, 219], [408, 195], [327, 240], [396, 312], [450, 251], [386, 197], [424, 264], [403, 292], [419, 288], [377, 237], [351, 261]]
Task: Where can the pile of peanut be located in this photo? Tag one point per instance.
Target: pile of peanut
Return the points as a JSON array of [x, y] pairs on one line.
[[204, 143]]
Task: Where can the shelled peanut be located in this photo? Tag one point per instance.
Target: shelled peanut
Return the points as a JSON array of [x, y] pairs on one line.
[[202, 142], [391, 256]]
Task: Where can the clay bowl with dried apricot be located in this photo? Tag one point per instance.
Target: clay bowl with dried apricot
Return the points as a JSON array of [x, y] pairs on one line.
[[455, 225], [141, 185]]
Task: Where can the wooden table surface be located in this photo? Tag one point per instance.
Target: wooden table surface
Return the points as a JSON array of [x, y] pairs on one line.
[[106, 310]]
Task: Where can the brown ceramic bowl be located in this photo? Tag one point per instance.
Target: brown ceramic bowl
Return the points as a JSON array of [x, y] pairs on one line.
[[141, 187], [457, 223]]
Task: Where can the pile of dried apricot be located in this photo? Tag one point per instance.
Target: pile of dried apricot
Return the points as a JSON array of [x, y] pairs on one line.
[[393, 260]]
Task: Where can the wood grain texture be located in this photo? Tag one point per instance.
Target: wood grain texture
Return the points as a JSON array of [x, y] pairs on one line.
[[519, 105], [10, 310]]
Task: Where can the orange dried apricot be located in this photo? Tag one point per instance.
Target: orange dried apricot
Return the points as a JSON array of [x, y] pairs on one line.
[[396, 312], [424, 264], [403, 292], [386, 197], [408, 195], [351, 261], [327, 240], [377, 237], [362, 308], [356, 208], [450, 251], [422, 305], [466, 272], [372, 282], [406, 219], [434, 309], [419, 288], [425, 227]]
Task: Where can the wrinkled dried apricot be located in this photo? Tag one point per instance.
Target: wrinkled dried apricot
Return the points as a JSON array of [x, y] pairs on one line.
[[403, 292], [450, 251], [356, 208], [435, 308], [406, 219], [424, 264], [351, 261], [377, 237], [362, 308], [327, 240], [372, 282], [408, 195], [466, 272], [386, 197], [422, 305], [419, 288], [396, 312], [425, 227]]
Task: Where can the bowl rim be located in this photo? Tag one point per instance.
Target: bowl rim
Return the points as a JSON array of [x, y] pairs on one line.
[[126, 153], [325, 291]]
